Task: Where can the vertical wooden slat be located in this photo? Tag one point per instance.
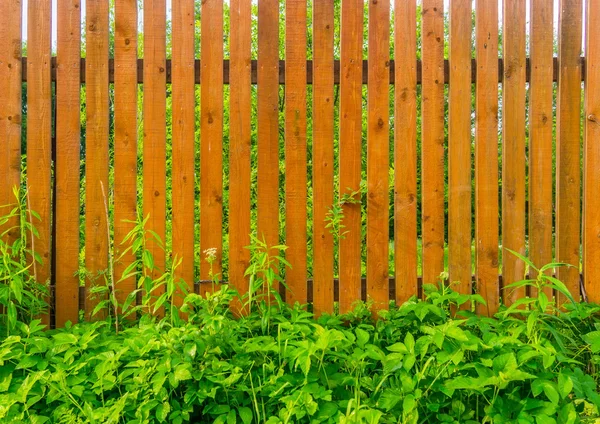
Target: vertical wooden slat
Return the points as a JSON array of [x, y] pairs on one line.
[[432, 225], [211, 124], [268, 122], [295, 149], [183, 103], [540, 134], [378, 154], [10, 110], [486, 155], [96, 161], [323, 26], [67, 162], [350, 149], [154, 172], [240, 137], [126, 136], [568, 126], [405, 150], [591, 214], [39, 132], [513, 147], [459, 140]]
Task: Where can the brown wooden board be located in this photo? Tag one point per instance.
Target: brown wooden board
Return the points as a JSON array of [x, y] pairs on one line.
[[154, 113], [323, 136], [39, 136], [540, 134], [568, 139], [459, 147], [378, 155], [513, 148], [350, 150], [183, 137], [591, 182], [67, 162], [486, 156], [433, 151]]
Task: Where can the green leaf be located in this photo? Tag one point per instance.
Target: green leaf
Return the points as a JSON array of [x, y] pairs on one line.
[[245, 414], [565, 385], [182, 372]]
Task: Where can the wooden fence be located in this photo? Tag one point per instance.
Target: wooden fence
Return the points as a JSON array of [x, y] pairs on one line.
[[560, 225]]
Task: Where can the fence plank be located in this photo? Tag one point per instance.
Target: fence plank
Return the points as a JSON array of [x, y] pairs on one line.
[[67, 162], [96, 162], [154, 172], [10, 111], [126, 137], [378, 154], [513, 147], [268, 122], [211, 134], [39, 133], [295, 149], [183, 103], [459, 145], [591, 212], [432, 108], [405, 151], [486, 155], [568, 126], [350, 150], [540, 134], [323, 135]]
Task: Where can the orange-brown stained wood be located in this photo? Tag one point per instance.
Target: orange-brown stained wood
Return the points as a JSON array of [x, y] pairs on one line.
[[67, 162], [295, 150], [378, 154], [126, 137], [405, 151], [513, 148], [568, 126], [240, 137], [211, 133], [350, 149], [183, 103], [39, 134], [591, 169], [486, 156], [540, 135], [459, 147], [268, 122], [96, 161], [433, 155], [323, 135], [10, 112]]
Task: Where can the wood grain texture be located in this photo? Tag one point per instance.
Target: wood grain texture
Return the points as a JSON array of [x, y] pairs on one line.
[[350, 149], [486, 156], [67, 162], [268, 122], [10, 112], [591, 169], [433, 154], [154, 110], [459, 147], [295, 150], [183, 137], [323, 136], [378, 155], [513, 148], [540, 135], [240, 139], [39, 134], [211, 137], [568, 138], [405, 149], [126, 139]]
